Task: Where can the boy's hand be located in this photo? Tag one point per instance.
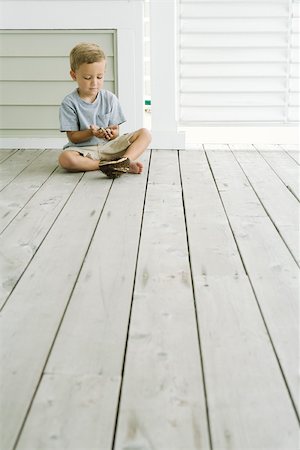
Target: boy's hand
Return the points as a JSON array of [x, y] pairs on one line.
[[99, 132], [105, 133]]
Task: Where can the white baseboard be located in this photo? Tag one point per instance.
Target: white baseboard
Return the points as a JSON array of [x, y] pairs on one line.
[[36, 142], [168, 140], [241, 135], [185, 138]]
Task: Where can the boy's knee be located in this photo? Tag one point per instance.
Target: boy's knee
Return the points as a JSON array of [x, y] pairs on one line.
[[146, 133], [67, 160]]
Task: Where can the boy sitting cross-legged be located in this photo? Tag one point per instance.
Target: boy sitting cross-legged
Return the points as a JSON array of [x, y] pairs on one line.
[[91, 117]]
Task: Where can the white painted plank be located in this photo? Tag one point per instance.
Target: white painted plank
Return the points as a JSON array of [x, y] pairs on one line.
[[162, 402], [230, 24], [233, 9], [248, 403], [241, 147], [31, 318], [223, 147], [273, 271], [37, 42], [16, 194], [199, 38], [71, 412], [89, 349], [42, 68], [285, 168], [282, 207], [22, 238], [6, 153], [233, 85], [11, 167], [295, 156], [291, 147], [231, 114], [215, 98], [18, 96], [293, 151], [266, 147]]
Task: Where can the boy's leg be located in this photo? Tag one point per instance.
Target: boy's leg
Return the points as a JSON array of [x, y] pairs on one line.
[[139, 142], [75, 162]]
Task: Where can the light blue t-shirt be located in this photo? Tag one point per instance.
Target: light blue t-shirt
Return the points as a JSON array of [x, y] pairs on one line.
[[75, 114]]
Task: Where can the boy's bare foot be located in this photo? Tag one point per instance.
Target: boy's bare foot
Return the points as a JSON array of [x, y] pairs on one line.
[[136, 167]]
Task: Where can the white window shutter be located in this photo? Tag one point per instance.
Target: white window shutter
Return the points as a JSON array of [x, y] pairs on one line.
[[294, 63], [238, 62]]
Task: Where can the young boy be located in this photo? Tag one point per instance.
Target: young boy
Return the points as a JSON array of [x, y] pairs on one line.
[[91, 117]]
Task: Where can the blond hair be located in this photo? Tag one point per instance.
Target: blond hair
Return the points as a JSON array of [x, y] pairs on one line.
[[85, 53]]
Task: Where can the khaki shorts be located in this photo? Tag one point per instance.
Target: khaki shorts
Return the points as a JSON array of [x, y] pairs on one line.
[[105, 152]]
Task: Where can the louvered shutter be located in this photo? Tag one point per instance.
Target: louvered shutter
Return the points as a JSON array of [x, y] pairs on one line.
[[238, 61], [294, 63]]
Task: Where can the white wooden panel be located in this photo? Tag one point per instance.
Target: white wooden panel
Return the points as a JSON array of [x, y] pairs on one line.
[[296, 8], [35, 75], [295, 57], [295, 24], [90, 346], [235, 55], [295, 40], [42, 68], [282, 208], [234, 9], [285, 168], [270, 266], [195, 40], [52, 43], [226, 114], [233, 84], [294, 84], [233, 69], [270, 2], [6, 153], [22, 238], [237, 47], [294, 70], [45, 92], [294, 99], [225, 304], [31, 326], [232, 99], [44, 133], [293, 114], [232, 25], [67, 415], [162, 404], [30, 117], [18, 193], [11, 167]]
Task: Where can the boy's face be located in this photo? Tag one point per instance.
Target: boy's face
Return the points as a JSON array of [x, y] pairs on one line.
[[90, 79]]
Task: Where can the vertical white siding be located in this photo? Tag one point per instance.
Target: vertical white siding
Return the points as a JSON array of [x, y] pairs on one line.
[[238, 61], [34, 76]]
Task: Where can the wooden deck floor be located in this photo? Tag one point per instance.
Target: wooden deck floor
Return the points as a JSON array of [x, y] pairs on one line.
[[151, 312]]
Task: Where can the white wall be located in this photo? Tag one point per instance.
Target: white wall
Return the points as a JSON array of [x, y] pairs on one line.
[[124, 16], [127, 18], [164, 93]]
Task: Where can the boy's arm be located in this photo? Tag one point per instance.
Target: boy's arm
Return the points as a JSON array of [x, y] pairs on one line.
[[79, 136], [84, 135]]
